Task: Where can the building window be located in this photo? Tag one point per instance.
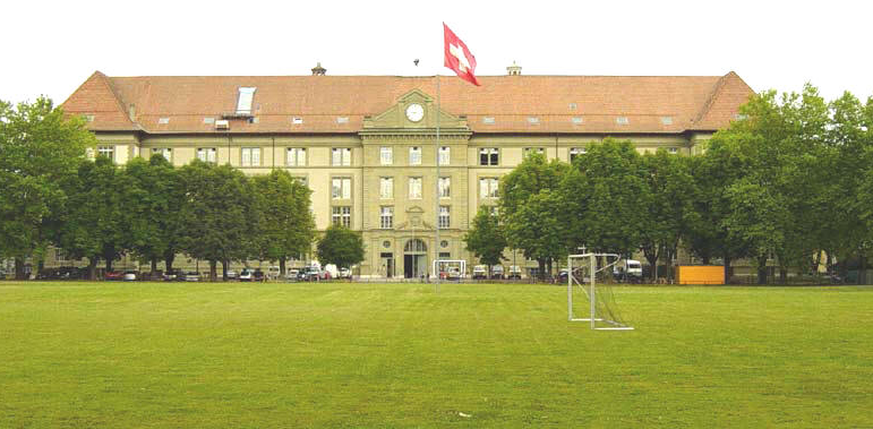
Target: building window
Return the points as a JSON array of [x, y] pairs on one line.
[[530, 150], [445, 156], [489, 156], [165, 151], [386, 155], [415, 188], [576, 151], [488, 187], [445, 185], [386, 219], [107, 151], [342, 215], [445, 219], [445, 255], [251, 157], [206, 154], [386, 188], [341, 188], [672, 150], [244, 102], [341, 156], [295, 157], [415, 155]]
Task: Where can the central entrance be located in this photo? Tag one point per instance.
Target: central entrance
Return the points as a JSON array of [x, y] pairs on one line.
[[414, 259]]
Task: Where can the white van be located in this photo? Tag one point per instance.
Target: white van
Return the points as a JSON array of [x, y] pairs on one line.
[[629, 270]]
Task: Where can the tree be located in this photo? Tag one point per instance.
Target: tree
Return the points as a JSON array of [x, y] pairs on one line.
[[485, 239], [39, 151], [671, 206], [153, 200], [612, 188], [340, 246], [219, 218], [531, 210], [92, 226], [287, 226]]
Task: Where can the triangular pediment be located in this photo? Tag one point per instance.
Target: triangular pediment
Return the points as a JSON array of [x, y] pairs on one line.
[[415, 111]]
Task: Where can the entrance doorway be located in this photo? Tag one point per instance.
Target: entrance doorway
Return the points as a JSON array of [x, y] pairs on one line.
[[388, 264], [414, 259]]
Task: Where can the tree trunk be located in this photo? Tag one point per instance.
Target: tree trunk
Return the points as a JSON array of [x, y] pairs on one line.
[[727, 269], [154, 266], [551, 276], [213, 269], [783, 275], [282, 267], [168, 261], [224, 265], [92, 269], [542, 265], [108, 264], [762, 270], [19, 269], [862, 270]]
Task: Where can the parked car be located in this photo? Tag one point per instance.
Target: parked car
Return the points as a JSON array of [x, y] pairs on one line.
[[113, 275], [451, 273], [130, 276], [259, 275], [497, 272], [514, 272], [192, 276], [232, 275], [480, 272], [629, 271], [291, 274], [246, 275], [174, 275], [273, 272], [345, 273], [309, 274]]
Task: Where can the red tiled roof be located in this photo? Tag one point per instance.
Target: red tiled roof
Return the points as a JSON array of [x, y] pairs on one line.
[[692, 103]]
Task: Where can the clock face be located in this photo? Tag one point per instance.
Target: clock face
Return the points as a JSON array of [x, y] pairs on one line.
[[415, 112]]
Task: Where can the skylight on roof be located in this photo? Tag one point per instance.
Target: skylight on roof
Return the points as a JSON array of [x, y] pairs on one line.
[[488, 120], [533, 120], [572, 106], [667, 120], [342, 119], [244, 102], [296, 120], [208, 120], [577, 120], [163, 120], [622, 120]]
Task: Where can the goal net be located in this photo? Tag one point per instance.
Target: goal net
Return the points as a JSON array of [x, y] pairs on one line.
[[586, 281]]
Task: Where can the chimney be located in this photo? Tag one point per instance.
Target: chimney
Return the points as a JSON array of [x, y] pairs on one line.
[[514, 69], [131, 112], [318, 70]]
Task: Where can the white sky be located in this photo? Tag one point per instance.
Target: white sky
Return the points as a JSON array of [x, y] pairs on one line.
[[52, 47]]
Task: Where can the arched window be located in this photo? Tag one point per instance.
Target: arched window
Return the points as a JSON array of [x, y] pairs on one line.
[[415, 246]]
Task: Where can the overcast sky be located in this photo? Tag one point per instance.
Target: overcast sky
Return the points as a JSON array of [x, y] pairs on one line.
[[51, 48]]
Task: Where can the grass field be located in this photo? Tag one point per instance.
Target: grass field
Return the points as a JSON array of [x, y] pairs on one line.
[[368, 355]]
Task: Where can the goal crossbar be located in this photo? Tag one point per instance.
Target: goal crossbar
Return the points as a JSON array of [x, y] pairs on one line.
[[590, 292]]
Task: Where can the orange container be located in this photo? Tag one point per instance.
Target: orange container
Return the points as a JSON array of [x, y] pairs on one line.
[[700, 275]]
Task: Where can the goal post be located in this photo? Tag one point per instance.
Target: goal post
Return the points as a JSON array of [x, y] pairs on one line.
[[582, 271]]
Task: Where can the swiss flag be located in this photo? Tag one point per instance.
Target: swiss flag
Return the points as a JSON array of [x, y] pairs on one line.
[[459, 58]]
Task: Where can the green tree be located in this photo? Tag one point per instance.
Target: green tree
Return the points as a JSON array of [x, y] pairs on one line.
[[39, 151], [531, 210], [613, 190], [93, 224], [219, 217], [152, 201], [340, 246], [287, 226], [485, 239]]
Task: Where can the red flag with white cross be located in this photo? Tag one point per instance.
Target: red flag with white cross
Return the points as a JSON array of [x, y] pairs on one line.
[[459, 58]]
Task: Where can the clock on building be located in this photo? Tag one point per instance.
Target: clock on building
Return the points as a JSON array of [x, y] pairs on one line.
[[415, 112]]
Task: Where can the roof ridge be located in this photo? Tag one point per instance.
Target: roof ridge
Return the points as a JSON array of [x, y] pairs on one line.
[[713, 95]]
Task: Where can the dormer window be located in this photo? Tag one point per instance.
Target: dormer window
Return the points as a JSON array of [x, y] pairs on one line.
[[244, 103]]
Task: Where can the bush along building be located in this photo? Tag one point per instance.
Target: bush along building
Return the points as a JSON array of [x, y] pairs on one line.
[[368, 146]]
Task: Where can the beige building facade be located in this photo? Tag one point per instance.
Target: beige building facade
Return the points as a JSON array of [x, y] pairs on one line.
[[369, 146]]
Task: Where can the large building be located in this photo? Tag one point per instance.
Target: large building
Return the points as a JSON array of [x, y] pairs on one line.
[[368, 146]]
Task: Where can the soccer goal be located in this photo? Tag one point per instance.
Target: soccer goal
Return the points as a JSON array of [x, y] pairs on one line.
[[582, 273]]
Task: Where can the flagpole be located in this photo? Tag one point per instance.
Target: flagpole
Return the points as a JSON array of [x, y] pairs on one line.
[[436, 203]]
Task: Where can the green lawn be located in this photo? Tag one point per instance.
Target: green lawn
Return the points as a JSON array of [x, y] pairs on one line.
[[371, 355]]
